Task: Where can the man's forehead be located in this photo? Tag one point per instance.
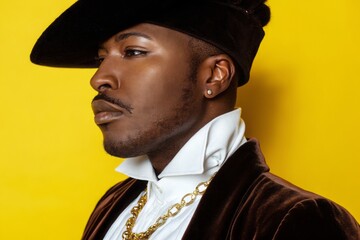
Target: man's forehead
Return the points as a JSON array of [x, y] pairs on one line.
[[151, 32]]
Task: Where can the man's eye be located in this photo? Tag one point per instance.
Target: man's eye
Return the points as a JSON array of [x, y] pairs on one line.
[[99, 60], [134, 52]]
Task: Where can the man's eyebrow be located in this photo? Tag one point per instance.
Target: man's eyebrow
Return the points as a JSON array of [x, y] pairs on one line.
[[123, 36]]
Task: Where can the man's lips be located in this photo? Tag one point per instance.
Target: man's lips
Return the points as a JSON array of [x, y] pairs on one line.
[[105, 111]]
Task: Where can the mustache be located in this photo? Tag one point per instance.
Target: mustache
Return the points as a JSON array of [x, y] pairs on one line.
[[115, 101]]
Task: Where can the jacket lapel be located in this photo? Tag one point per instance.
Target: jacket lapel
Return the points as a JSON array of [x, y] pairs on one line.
[[110, 206], [212, 218]]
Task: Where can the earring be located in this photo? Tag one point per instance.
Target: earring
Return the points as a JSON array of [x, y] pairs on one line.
[[209, 92]]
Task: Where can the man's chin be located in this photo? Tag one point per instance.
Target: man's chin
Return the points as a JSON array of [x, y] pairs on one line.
[[114, 151], [119, 150]]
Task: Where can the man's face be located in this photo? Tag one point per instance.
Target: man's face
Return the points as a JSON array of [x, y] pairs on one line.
[[149, 98]]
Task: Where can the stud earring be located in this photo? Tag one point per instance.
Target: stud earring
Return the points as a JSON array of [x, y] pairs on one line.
[[209, 92]]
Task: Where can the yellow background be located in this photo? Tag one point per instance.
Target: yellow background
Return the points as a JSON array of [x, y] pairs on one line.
[[302, 104]]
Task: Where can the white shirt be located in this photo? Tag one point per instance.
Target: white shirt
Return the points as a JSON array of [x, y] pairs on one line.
[[196, 162]]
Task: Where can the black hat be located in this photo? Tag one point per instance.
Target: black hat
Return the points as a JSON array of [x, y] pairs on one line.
[[72, 40]]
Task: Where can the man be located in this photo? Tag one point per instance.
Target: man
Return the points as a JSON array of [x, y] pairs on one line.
[[167, 78]]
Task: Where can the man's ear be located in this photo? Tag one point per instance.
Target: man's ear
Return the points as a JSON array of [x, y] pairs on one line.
[[217, 72]]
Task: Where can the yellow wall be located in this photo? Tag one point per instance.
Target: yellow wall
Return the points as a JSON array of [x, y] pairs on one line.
[[302, 103]]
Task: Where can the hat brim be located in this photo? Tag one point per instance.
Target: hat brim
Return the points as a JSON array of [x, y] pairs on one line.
[[73, 39]]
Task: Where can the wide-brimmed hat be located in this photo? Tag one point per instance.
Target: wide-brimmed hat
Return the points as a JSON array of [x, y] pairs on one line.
[[72, 40]]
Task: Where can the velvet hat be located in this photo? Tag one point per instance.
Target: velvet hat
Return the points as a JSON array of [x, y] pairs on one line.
[[235, 27]]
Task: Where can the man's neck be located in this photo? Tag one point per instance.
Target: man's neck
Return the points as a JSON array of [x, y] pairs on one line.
[[161, 157], [163, 154]]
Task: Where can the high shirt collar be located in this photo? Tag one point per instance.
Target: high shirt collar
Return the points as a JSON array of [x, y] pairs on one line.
[[207, 149]]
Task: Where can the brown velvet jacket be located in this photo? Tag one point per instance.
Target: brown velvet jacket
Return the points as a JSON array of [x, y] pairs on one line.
[[243, 201]]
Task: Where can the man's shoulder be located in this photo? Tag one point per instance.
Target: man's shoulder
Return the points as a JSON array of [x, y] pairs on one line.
[[261, 205], [286, 211], [279, 193]]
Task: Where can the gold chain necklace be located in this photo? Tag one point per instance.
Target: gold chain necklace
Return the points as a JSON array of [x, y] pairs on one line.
[[186, 200]]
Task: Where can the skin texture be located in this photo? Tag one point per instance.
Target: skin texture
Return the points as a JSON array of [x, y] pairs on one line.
[[152, 98]]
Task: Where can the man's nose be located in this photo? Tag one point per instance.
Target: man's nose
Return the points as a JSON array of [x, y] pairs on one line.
[[104, 78]]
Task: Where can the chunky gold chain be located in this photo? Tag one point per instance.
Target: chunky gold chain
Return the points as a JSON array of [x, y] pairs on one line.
[[186, 200]]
